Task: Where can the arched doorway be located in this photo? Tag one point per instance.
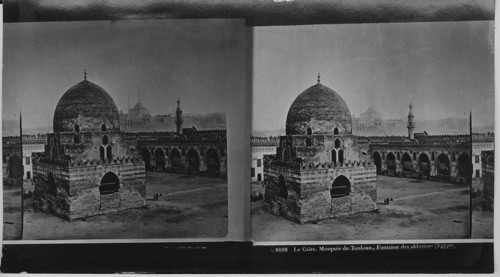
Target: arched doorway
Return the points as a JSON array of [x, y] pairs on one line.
[[213, 162], [15, 167], [341, 187], [175, 158], [464, 166], [282, 189], [424, 166], [391, 164], [51, 185], [159, 160], [443, 165], [109, 184], [378, 161], [193, 160], [406, 162], [146, 157]]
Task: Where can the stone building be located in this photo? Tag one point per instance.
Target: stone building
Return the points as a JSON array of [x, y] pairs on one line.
[[261, 146], [87, 168], [488, 164], [11, 155], [318, 170], [420, 155]]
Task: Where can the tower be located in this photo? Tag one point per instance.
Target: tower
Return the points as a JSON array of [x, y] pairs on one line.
[[411, 123], [178, 120]]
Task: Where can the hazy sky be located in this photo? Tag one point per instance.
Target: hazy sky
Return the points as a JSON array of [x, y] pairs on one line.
[[444, 68], [197, 60]]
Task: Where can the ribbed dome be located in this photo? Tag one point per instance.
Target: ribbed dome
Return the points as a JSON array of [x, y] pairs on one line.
[[321, 109], [87, 105]]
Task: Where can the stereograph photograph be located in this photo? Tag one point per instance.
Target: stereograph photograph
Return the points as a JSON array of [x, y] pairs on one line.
[[373, 132], [117, 129]]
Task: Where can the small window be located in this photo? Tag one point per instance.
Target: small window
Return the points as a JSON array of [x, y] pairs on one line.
[[337, 143], [109, 155], [77, 128], [103, 127], [308, 142], [477, 159], [259, 177], [28, 175], [309, 131], [105, 140], [28, 161], [336, 131], [259, 162], [252, 172], [102, 153], [341, 156]]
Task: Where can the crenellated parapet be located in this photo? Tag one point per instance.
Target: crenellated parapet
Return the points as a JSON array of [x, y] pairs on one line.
[[69, 162], [265, 141], [27, 139]]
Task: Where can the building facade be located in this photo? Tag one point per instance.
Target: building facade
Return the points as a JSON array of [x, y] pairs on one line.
[[11, 155], [318, 170], [87, 168], [261, 146]]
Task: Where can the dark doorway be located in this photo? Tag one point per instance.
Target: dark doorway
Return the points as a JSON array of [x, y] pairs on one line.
[[340, 187], [378, 161], [443, 165], [146, 157], [391, 164], [175, 158], [464, 166], [109, 184], [282, 190], [407, 163], [159, 160], [424, 166], [15, 166], [213, 162], [193, 160], [51, 185]]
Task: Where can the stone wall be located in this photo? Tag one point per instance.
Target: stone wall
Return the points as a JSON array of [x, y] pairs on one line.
[[308, 192], [77, 189], [488, 166]]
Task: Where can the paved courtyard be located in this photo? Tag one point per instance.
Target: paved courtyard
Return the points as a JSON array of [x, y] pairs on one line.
[[190, 207], [421, 210]]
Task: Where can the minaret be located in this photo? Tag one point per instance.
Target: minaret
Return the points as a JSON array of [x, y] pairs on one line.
[[411, 123], [178, 120]]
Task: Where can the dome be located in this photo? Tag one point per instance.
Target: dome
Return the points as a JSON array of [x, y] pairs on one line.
[[321, 109], [87, 105]]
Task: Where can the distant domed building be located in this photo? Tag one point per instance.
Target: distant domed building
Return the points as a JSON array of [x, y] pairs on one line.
[[318, 171], [86, 168]]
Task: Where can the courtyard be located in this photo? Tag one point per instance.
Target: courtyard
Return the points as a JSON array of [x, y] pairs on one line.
[[189, 207], [420, 209]]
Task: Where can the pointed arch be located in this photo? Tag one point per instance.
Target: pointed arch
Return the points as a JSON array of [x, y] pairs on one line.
[[378, 161], [159, 159], [443, 164], [407, 163], [212, 160], [336, 131], [109, 184], [193, 159], [309, 131], [77, 128], [391, 163], [103, 127], [341, 187], [424, 165], [337, 143], [105, 140], [146, 157], [175, 158]]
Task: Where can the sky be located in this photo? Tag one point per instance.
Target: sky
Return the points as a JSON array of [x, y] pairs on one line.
[[199, 61], [444, 68]]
